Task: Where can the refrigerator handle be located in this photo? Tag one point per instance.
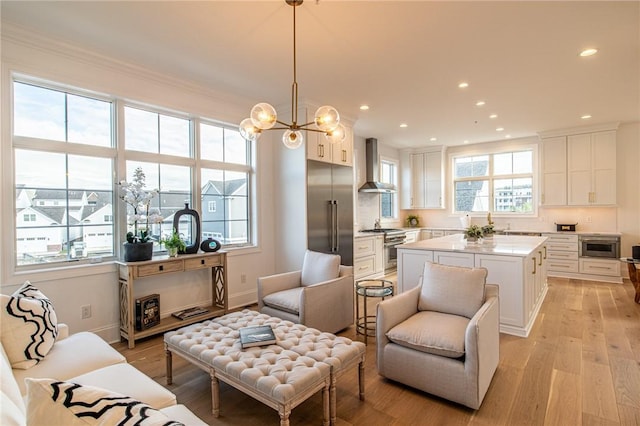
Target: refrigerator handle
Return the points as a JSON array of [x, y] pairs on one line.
[[337, 228], [332, 226]]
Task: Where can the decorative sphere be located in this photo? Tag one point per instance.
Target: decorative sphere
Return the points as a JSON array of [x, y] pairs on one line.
[[327, 118], [292, 139], [263, 116]]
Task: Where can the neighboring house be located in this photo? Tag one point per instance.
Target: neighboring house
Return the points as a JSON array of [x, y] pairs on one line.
[[225, 200], [38, 233]]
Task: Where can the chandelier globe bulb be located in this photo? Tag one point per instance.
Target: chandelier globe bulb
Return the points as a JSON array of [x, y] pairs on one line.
[[249, 131], [292, 139], [327, 118], [336, 135], [264, 116]]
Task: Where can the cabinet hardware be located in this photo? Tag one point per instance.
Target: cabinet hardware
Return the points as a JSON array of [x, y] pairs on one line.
[[534, 265], [545, 252], [540, 261], [202, 262], [161, 268]]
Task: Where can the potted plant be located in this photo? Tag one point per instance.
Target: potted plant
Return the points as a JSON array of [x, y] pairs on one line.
[[487, 230], [413, 220], [174, 243], [473, 233], [139, 244]]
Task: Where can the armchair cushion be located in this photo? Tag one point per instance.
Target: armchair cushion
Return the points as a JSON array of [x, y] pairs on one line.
[[319, 267], [285, 300], [432, 332], [29, 326], [452, 289]]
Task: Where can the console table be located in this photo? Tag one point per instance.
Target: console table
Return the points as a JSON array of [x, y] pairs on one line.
[[129, 272]]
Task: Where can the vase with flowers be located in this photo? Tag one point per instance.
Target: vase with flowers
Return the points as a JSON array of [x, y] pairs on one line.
[[139, 244], [472, 234]]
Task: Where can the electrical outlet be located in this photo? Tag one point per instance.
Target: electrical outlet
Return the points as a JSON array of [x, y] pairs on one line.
[[588, 219], [243, 279], [86, 311]]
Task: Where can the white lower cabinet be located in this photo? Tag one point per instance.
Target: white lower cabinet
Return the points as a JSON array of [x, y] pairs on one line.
[[600, 267], [411, 265], [453, 258], [368, 256]]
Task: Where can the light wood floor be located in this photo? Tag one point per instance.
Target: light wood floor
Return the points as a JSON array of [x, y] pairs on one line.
[[579, 366]]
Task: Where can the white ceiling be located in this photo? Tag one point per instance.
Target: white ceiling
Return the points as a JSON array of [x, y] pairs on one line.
[[403, 58]]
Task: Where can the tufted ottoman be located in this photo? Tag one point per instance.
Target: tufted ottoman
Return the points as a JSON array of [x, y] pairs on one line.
[[283, 375]]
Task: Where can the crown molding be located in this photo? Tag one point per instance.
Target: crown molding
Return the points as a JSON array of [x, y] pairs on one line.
[[579, 130]]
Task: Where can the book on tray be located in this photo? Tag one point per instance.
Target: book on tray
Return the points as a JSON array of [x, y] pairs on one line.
[[258, 335], [190, 312]]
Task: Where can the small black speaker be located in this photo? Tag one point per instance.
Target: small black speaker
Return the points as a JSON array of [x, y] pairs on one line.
[[635, 250]]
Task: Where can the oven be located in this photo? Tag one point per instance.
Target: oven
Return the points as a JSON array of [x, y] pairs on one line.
[[600, 246], [392, 239]]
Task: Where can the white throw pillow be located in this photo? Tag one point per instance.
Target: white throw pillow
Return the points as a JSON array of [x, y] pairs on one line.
[[29, 326], [319, 267], [53, 402], [452, 289]]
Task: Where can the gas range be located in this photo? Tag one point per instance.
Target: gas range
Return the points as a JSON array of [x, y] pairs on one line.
[[391, 235]]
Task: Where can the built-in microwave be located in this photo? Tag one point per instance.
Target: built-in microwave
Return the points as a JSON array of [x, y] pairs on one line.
[[601, 246]]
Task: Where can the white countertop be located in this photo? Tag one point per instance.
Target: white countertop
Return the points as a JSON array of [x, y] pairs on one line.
[[502, 245]]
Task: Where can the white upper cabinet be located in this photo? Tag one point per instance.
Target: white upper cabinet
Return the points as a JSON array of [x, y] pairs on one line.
[[320, 149], [554, 171], [579, 168], [591, 169], [425, 180]]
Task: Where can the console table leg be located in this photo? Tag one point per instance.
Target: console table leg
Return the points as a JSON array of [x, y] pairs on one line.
[[169, 365], [215, 395]]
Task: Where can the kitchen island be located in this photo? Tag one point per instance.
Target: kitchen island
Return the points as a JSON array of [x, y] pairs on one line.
[[517, 264]]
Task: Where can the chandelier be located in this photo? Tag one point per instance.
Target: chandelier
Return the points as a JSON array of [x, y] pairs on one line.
[[264, 117]]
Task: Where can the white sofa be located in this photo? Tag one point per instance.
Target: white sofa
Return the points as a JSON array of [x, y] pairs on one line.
[[86, 359]]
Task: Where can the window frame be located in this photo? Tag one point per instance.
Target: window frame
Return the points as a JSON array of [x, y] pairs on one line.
[[118, 155], [490, 151], [394, 195]]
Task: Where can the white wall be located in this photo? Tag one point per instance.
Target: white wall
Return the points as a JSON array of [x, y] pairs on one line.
[[97, 285]]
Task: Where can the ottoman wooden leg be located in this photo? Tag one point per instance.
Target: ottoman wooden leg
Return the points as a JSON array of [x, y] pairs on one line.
[[329, 393], [169, 365], [284, 413], [215, 395]]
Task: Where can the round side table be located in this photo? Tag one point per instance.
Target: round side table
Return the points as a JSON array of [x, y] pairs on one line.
[[366, 324], [634, 274]]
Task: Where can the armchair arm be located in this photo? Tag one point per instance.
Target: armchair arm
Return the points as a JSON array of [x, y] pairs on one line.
[[275, 283], [390, 313], [482, 340], [328, 306]]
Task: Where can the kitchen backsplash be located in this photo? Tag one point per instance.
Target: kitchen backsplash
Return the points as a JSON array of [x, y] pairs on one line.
[[368, 211]]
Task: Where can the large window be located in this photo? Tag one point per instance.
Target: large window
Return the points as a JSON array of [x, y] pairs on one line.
[[498, 183], [68, 161], [388, 200]]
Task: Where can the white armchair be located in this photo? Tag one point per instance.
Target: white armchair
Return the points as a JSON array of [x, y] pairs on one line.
[[320, 295], [442, 337]]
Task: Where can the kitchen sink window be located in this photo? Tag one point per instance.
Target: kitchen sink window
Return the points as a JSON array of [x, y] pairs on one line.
[[68, 151], [496, 182], [389, 200]]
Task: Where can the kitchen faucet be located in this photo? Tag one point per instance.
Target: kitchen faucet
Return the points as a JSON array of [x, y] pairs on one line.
[[376, 224]]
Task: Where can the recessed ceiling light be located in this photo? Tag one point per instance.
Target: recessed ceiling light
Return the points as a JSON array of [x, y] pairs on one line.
[[364, 107], [466, 142], [433, 139], [499, 129], [403, 125], [492, 116], [480, 103], [588, 52], [463, 85], [586, 117], [507, 136]]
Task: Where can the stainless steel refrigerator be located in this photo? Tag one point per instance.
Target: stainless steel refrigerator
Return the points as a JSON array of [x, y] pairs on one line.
[[330, 209]]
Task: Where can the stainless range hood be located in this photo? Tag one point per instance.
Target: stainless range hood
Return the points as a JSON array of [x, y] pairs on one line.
[[373, 183]]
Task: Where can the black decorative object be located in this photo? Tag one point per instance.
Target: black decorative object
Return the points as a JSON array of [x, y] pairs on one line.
[[136, 252], [210, 245], [194, 244]]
